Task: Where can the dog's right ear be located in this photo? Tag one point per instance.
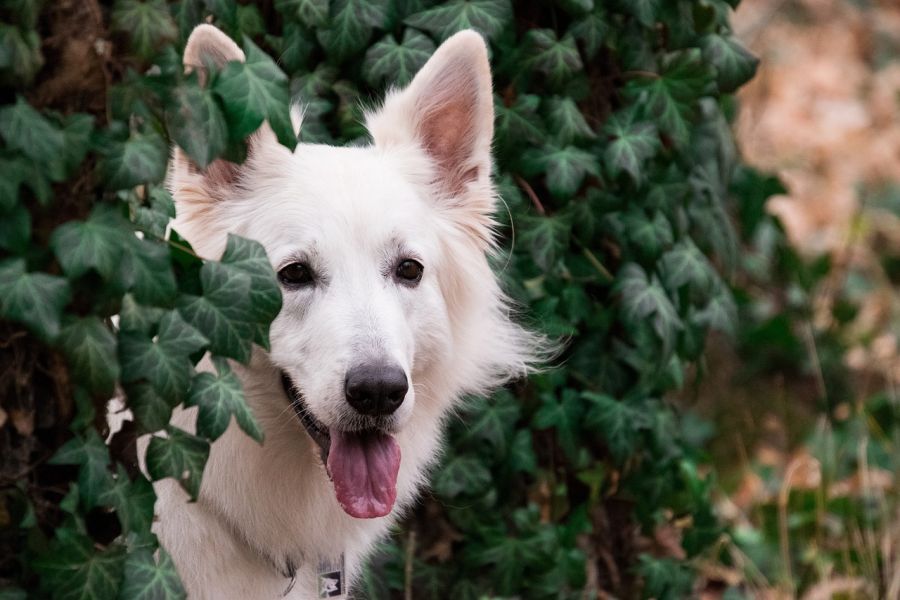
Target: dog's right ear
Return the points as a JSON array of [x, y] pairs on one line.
[[196, 189]]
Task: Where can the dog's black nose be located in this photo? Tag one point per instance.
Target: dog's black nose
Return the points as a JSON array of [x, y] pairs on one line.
[[375, 389]]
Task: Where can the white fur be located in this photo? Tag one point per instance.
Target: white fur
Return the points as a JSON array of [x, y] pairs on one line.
[[422, 190]]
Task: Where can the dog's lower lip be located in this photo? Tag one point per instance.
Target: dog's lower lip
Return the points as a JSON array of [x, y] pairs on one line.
[[316, 430]]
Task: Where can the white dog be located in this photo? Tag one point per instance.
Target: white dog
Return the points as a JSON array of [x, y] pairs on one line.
[[391, 313]]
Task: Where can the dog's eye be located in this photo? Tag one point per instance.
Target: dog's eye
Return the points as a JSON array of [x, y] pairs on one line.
[[295, 274], [409, 271]]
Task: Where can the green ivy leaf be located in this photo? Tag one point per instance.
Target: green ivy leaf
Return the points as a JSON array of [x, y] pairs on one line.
[[565, 120], [462, 476], [224, 311], [25, 129], [151, 411], [648, 235], [644, 298], [196, 122], [488, 17], [90, 348], [389, 62], [665, 577], [734, 64], [521, 453], [147, 23], [12, 593], [178, 455], [720, 313], [671, 98], [146, 270], [686, 265], [154, 219], [13, 175], [510, 557], [558, 59], [249, 258], [92, 454], [226, 13], [147, 578], [139, 160], [24, 13], [564, 415], [250, 21], [317, 82], [631, 145], [20, 55], [15, 229], [617, 422], [33, 299], [133, 501], [645, 11], [134, 317], [255, 91], [518, 124], [351, 26], [493, 420], [163, 362], [93, 244], [547, 238], [76, 130], [75, 570], [565, 167], [219, 397], [312, 13], [294, 47], [591, 31]]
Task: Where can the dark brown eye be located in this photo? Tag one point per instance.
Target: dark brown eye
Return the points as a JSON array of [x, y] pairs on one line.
[[409, 271], [295, 275]]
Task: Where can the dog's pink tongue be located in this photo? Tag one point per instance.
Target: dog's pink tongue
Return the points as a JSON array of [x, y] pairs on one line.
[[363, 467]]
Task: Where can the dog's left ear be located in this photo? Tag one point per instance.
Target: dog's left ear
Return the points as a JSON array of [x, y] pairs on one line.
[[448, 110]]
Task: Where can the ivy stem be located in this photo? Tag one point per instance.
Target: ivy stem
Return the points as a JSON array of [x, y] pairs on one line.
[[538, 206], [183, 248], [649, 74], [592, 258]]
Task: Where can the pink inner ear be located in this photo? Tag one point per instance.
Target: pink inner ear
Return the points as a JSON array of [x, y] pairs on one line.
[[448, 130]]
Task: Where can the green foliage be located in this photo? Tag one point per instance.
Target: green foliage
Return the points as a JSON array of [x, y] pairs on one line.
[[843, 431], [252, 92], [219, 397], [613, 157], [388, 61]]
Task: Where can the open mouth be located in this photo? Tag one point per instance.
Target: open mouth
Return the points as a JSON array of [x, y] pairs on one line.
[[363, 465], [315, 428]]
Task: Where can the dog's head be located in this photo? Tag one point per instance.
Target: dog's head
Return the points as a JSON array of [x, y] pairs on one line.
[[389, 306]]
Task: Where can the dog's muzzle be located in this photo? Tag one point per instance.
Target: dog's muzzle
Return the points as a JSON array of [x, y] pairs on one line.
[[362, 463], [315, 428]]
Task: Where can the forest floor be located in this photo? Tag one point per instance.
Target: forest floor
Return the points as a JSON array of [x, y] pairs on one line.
[[823, 114]]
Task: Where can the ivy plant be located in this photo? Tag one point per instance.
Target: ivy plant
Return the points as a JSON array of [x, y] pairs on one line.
[[613, 160]]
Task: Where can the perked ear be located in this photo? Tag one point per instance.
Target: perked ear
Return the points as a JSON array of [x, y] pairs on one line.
[[208, 45], [448, 111], [196, 190]]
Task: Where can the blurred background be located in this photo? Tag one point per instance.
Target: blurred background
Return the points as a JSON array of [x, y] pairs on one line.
[[805, 407]]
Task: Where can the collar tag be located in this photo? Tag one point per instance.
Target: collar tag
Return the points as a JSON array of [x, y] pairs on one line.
[[331, 581]]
